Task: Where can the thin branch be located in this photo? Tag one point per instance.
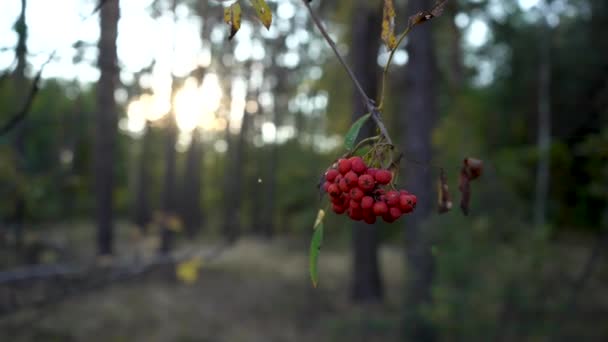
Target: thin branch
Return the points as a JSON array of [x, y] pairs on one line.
[[333, 46], [22, 113], [388, 64], [369, 103]]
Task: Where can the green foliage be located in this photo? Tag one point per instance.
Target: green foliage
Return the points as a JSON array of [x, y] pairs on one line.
[[353, 132], [315, 248]]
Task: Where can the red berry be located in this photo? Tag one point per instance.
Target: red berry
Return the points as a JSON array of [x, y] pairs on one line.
[[354, 204], [388, 218], [366, 182], [383, 176], [326, 186], [395, 212], [331, 175], [356, 194], [355, 214], [343, 185], [344, 166], [338, 209], [380, 208], [337, 179], [405, 204], [367, 202], [336, 199], [351, 178], [357, 165], [403, 192], [333, 190], [413, 199], [369, 218], [392, 198]]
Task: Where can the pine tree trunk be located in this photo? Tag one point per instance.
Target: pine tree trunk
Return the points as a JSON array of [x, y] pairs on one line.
[[20, 209], [234, 182], [544, 126], [191, 187], [106, 124], [169, 184], [143, 213], [366, 282], [421, 113]]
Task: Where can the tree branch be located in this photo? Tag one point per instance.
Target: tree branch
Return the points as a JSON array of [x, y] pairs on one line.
[[23, 112], [369, 103]]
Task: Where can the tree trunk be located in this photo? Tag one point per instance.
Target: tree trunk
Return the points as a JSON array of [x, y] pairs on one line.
[[106, 124], [191, 187], [143, 213], [20, 209], [544, 126], [366, 282], [421, 113], [168, 194], [233, 182]]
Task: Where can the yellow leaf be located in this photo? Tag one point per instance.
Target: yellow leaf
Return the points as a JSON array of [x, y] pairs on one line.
[[187, 271], [263, 12], [320, 217], [232, 17], [388, 25], [173, 223]]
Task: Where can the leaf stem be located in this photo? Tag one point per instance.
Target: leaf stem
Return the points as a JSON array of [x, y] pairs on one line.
[[388, 64]]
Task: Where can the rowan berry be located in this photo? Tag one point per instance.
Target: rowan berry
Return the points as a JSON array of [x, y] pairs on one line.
[[334, 190], [354, 204], [351, 178], [358, 165], [380, 208], [367, 202], [395, 212], [343, 185], [366, 182], [383, 176], [356, 194], [392, 198], [331, 174], [344, 166], [338, 209], [325, 186], [355, 214]]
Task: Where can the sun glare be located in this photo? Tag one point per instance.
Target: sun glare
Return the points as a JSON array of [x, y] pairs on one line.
[[196, 106]]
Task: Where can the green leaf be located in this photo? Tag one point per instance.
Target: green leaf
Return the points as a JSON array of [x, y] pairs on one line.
[[315, 248], [353, 132], [232, 17], [263, 12]]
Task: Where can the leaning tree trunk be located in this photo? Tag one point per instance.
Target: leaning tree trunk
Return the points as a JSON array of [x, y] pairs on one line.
[[366, 281], [191, 187], [421, 112], [106, 124]]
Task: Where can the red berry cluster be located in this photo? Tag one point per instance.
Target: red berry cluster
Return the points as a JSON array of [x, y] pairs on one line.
[[356, 190]]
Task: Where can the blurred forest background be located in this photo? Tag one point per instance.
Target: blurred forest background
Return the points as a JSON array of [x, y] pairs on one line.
[[158, 181]]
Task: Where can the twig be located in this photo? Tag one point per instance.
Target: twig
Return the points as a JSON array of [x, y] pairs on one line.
[[333, 46], [368, 102], [388, 64], [22, 113]]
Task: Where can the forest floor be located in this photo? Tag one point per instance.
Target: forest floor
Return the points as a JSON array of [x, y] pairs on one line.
[[254, 291]]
